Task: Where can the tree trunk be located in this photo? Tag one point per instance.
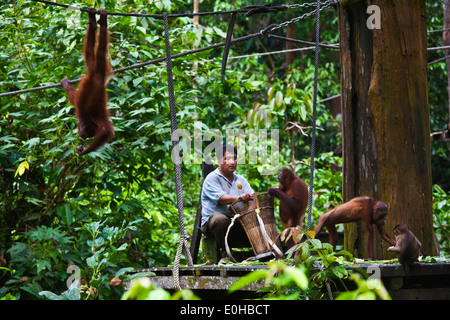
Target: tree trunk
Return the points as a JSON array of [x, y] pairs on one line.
[[386, 128], [290, 56]]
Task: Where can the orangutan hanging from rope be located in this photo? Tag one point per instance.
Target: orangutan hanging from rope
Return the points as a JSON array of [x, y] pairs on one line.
[[90, 98]]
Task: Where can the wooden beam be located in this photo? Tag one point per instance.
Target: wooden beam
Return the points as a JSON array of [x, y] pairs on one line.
[[429, 281]]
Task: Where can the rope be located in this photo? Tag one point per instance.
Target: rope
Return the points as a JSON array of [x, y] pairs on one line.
[[227, 247], [177, 162], [248, 10], [440, 30], [266, 236], [438, 48], [438, 60], [271, 52], [264, 32], [10, 93], [313, 138], [138, 65], [263, 229], [226, 49], [324, 45]]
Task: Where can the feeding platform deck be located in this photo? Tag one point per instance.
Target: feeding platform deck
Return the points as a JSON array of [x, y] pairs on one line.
[[430, 281]]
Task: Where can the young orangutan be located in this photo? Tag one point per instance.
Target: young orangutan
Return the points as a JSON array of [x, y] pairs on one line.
[[293, 194], [90, 98], [358, 209], [406, 246]]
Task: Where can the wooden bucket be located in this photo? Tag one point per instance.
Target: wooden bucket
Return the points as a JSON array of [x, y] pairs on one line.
[[257, 218]]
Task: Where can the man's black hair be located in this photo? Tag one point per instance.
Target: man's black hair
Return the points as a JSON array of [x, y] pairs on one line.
[[226, 148]]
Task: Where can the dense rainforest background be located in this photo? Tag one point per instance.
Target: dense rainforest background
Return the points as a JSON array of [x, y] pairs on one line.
[[116, 209]]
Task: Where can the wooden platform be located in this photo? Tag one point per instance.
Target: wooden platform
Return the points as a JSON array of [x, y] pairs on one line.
[[209, 282]]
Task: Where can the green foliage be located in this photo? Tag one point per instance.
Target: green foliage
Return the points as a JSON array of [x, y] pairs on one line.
[[317, 255], [143, 289], [441, 218], [316, 265], [372, 289], [46, 186], [438, 95], [72, 293], [99, 253], [281, 281], [116, 208], [39, 261]]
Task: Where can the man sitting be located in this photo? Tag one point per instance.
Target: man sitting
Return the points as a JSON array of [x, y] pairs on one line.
[[221, 188]]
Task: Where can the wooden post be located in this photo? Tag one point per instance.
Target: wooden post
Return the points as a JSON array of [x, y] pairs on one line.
[[196, 233], [386, 126]]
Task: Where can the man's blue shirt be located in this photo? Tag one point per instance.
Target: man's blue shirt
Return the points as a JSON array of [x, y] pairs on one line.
[[215, 186]]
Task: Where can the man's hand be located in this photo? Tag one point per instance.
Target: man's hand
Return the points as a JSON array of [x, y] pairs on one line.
[[246, 197]]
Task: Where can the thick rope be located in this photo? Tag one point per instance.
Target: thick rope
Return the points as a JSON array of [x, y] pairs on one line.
[[227, 247], [313, 134], [226, 49], [177, 163], [313, 138]]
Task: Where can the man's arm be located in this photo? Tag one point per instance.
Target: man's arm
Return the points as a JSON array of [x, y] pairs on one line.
[[229, 199]]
